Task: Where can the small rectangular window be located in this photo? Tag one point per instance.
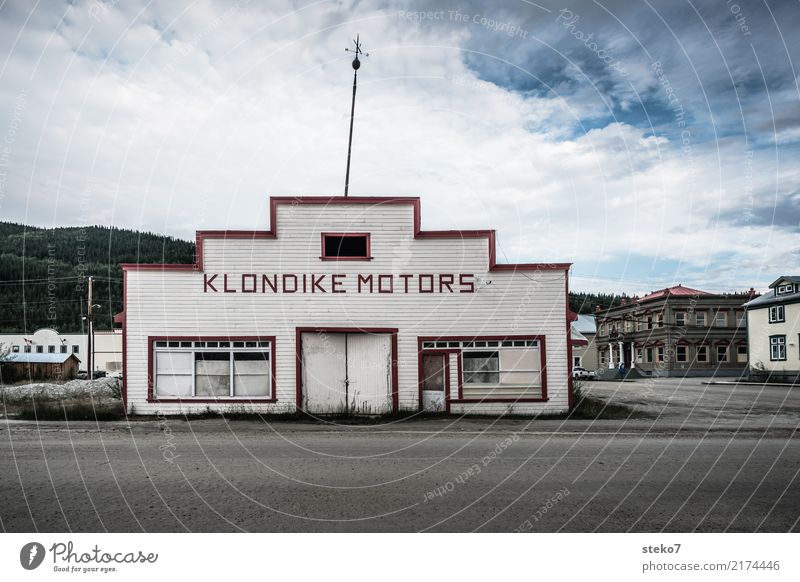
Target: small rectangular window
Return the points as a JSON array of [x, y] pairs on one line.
[[741, 353], [722, 354], [680, 318], [481, 367], [680, 353], [777, 314], [51, 349], [75, 348], [63, 349], [251, 374], [39, 349], [345, 246], [27, 349], [777, 347], [702, 354], [721, 320], [700, 319], [15, 349], [212, 373]]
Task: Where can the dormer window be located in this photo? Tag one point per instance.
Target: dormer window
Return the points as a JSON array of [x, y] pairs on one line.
[[351, 246], [783, 289]]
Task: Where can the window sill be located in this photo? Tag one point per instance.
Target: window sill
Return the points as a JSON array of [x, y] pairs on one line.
[[495, 400], [201, 400], [345, 258]]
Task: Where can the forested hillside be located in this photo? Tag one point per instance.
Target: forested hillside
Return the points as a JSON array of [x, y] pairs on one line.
[[586, 302], [43, 272]]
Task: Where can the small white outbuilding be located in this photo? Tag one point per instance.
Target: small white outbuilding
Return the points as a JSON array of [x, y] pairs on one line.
[[346, 305]]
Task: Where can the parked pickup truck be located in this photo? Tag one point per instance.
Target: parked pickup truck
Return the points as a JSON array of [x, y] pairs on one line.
[[583, 374]]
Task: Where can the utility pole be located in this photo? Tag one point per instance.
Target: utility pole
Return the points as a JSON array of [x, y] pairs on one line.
[[90, 338], [356, 65]]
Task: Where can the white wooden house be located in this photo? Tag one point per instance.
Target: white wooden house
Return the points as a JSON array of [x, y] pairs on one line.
[[345, 304]]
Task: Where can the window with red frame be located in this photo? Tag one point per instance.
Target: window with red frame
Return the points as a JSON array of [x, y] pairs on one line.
[[345, 246]]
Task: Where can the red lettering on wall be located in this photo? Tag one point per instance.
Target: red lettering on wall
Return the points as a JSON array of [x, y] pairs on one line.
[[225, 284], [335, 285], [465, 281], [207, 283], [244, 287], [294, 280], [390, 288], [315, 284], [273, 284], [367, 279], [446, 281], [405, 279], [430, 281]]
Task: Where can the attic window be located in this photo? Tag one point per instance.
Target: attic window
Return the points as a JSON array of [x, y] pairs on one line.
[[345, 246]]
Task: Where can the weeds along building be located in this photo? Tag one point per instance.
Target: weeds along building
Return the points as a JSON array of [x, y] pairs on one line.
[[346, 305]]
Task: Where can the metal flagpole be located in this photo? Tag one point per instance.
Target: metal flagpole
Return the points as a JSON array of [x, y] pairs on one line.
[[356, 65]]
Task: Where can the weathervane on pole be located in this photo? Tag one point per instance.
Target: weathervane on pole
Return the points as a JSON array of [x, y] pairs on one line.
[[356, 65]]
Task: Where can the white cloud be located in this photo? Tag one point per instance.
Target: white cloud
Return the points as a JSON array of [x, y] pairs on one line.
[[173, 119]]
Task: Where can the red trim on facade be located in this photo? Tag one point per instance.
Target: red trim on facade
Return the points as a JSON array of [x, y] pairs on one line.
[[322, 329], [461, 399], [446, 354], [125, 342], [274, 201], [325, 257], [570, 319], [154, 338]]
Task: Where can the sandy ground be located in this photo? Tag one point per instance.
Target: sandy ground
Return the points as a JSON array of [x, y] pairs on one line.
[[695, 402], [719, 459]]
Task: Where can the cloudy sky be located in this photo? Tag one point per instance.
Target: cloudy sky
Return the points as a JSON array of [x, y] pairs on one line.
[[647, 142]]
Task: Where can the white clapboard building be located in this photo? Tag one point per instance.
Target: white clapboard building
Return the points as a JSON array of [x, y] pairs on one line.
[[346, 305]]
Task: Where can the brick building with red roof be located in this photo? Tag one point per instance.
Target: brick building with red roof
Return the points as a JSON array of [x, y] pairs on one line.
[[675, 331]]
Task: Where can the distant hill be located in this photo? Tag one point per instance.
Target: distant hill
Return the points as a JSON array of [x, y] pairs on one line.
[[586, 302], [43, 272]]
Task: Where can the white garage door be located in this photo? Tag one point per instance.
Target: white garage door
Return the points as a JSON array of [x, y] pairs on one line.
[[347, 372]]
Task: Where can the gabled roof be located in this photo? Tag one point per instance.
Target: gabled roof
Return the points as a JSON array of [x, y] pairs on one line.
[[787, 278], [577, 338], [32, 358], [584, 324], [678, 290], [772, 297]]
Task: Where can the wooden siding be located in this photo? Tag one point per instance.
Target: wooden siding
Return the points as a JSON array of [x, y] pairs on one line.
[[173, 302]]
